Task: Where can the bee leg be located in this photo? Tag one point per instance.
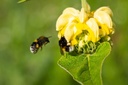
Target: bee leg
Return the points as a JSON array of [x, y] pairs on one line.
[[45, 43]]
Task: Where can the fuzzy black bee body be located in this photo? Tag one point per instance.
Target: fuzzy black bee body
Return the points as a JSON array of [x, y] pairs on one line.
[[38, 43], [65, 46]]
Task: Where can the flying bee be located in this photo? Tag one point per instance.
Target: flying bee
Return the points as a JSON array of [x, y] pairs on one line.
[[38, 43], [65, 46]]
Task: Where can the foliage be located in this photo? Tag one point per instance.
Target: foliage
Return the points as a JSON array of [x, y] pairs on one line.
[[20, 24], [86, 69]]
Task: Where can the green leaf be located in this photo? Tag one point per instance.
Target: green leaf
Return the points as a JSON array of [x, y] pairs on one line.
[[86, 69]]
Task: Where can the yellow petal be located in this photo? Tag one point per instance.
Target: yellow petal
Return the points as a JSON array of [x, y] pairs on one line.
[[83, 16], [61, 33], [71, 11], [63, 20], [104, 30], [69, 15], [105, 9], [103, 18], [69, 31], [73, 42], [94, 27]]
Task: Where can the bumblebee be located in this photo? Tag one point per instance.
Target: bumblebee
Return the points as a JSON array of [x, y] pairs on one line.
[[65, 46], [38, 43]]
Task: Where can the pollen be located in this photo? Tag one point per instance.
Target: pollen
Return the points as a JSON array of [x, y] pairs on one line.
[[35, 40], [37, 45]]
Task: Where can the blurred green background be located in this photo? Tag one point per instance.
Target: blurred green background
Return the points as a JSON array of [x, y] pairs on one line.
[[21, 23]]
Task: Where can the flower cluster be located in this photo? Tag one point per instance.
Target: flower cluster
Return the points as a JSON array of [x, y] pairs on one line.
[[80, 27]]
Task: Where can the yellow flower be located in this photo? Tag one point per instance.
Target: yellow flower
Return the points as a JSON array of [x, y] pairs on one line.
[[92, 26]]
